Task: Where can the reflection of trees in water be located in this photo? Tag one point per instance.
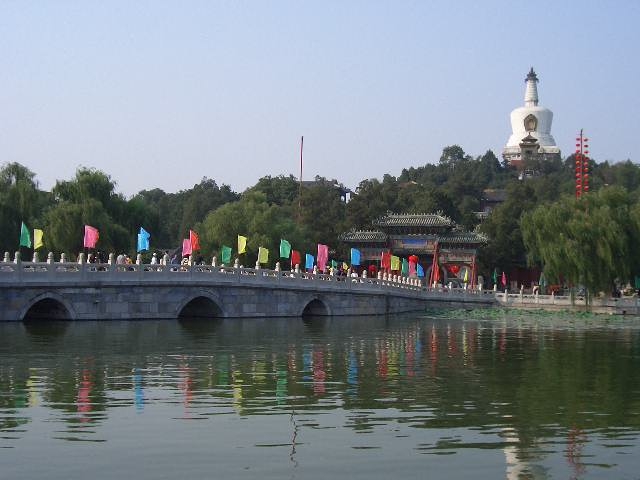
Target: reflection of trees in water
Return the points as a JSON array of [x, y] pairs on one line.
[[463, 373]]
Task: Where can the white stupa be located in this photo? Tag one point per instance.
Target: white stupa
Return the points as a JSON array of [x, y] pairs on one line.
[[531, 129]]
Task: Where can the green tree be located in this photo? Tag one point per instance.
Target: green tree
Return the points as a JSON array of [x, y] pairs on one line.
[[20, 200], [252, 216], [506, 249], [591, 241]]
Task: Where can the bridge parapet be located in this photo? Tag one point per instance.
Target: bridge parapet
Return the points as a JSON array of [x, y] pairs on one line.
[[96, 291]]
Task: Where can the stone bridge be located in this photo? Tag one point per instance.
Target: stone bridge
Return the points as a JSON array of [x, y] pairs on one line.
[[71, 291]]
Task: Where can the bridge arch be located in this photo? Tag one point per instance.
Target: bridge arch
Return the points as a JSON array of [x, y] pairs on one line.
[[315, 307], [201, 304], [47, 306]]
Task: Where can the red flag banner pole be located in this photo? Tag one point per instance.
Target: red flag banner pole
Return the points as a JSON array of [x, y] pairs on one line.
[[300, 184]]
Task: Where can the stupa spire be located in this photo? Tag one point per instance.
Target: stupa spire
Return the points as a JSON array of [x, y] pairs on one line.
[[531, 90]]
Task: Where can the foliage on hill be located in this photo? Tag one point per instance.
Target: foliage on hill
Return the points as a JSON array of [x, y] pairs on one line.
[[279, 207]]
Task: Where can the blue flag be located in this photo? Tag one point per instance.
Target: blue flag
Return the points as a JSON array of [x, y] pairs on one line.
[[143, 240], [309, 262], [420, 270], [355, 256]]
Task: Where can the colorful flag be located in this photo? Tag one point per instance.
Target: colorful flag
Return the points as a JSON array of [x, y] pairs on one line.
[[226, 254], [395, 262], [334, 264], [355, 256], [242, 244], [91, 236], [195, 241], [308, 264], [323, 256], [412, 268], [385, 260], [186, 247], [494, 277], [504, 279], [466, 275], [25, 238], [420, 270], [296, 259], [263, 255], [143, 240], [38, 236], [285, 249], [405, 267]]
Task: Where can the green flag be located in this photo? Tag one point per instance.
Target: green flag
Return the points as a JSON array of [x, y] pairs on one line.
[[405, 267], [285, 249], [494, 277], [226, 254], [25, 237]]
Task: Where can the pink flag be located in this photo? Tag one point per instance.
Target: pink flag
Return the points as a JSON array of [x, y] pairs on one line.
[[195, 241], [186, 247], [323, 256], [412, 268], [91, 236], [504, 279]]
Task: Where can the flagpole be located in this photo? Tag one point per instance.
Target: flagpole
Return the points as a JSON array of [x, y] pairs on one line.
[[300, 182]]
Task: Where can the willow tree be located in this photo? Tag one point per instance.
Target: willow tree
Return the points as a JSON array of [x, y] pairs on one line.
[[591, 241]]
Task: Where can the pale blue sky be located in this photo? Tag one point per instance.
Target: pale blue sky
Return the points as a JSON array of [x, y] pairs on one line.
[[160, 94]]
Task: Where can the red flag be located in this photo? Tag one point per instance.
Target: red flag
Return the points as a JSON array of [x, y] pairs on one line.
[[504, 279], [91, 236], [194, 240], [295, 257], [385, 261], [186, 247]]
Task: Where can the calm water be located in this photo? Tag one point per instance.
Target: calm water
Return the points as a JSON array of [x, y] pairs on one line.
[[449, 395]]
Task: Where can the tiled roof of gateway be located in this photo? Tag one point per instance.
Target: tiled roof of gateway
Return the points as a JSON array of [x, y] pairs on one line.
[[414, 220], [363, 236], [463, 237]]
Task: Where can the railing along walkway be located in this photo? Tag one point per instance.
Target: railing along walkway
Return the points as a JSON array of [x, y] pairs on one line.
[[77, 274]]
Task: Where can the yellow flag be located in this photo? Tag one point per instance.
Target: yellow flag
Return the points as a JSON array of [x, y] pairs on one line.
[[466, 275], [395, 262], [263, 255], [37, 238], [242, 244]]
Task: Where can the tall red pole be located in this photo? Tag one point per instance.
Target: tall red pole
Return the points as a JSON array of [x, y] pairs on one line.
[[300, 184], [582, 165]]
